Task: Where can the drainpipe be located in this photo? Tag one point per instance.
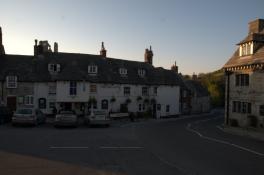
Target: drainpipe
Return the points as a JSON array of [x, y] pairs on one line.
[[2, 91], [227, 96]]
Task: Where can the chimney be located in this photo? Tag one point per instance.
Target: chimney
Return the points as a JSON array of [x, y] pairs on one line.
[[36, 48], [256, 26], [103, 51], [2, 49], [194, 76], [56, 47], [174, 68], [148, 55]]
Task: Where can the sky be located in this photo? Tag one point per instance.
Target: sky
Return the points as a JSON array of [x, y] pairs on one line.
[[200, 35]]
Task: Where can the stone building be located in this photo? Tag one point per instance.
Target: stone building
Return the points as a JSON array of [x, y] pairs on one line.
[[52, 79], [244, 73]]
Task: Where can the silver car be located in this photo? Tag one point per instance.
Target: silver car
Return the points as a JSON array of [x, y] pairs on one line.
[[28, 116], [98, 118], [66, 118]]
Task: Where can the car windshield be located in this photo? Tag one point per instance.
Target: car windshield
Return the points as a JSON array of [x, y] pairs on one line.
[[24, 111], [66, 112], [99, 113]]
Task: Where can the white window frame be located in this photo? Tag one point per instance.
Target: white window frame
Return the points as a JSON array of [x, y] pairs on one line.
[[29, 100], [141, 72], [11, 81], [92, 69], [54, 68], [123, 71], [73, 88]]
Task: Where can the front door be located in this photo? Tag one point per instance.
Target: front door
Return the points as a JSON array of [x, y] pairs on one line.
[[11, 103]]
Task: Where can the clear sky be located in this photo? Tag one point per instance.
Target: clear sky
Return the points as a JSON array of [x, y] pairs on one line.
[[200, 35]]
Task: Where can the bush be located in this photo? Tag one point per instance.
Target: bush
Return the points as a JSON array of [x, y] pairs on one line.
[[253, 121], [234, 123]]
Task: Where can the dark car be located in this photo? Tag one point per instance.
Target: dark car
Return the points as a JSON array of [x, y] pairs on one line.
[[5, 114]]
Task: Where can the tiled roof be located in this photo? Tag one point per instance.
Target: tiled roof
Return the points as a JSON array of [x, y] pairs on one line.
[[236, 60], [75, 67]]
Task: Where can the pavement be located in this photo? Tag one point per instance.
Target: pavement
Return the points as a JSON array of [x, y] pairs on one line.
[[246, 132], [190, 145]]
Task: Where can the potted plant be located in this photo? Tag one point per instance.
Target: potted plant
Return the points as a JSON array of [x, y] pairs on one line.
[[139, 98]]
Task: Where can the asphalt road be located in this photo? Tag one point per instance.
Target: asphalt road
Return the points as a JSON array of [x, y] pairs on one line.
[[193, 146]]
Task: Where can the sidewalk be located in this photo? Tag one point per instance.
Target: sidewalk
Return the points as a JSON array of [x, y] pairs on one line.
[[16, 164], [247, 132]]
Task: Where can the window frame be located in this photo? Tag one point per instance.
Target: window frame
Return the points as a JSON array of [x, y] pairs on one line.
[[145, 91], [127, 91], [11, 82], [93, 88], [73, 88], [92, 69]]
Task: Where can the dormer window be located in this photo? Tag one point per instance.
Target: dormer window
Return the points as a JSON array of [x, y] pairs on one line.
[[92, 69], [11, 81], [123, 71], [246, 49], [54, 68], [141, 72]]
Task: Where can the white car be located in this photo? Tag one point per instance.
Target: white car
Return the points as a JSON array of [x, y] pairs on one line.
[[66, 118], [28, 116], [98, 118]]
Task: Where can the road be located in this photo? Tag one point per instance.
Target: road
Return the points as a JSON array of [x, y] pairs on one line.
[[190, 146]]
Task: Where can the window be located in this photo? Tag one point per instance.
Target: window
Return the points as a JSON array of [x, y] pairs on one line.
[[261, 110], [155, 90], [139, 107], [145, 91], [158, 107], [246, 49], [11, 82], [92, 69], [141, 72], [52, 89], [54, 68], [73, 88], [21, 100], [143, 107], [127, 91], [51, 105], [29, 100], [242, 80], [123, 71], [241, 107], [167, 108], [104, 104], [93, 88], [42, 103]]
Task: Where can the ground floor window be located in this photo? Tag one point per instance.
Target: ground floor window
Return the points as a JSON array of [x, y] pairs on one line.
[[261, 110], [167, 108], [29, 100], [104, 104], [241, 107], [139, 107], [158, 107], [51, 105], [42, 103]]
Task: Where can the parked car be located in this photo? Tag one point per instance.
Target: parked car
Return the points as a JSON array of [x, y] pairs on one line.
[[5, 114], [28, 116], [98, 118], [66, 118]]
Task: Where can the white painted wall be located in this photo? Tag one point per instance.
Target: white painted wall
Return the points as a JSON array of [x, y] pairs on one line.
[[167, 95]]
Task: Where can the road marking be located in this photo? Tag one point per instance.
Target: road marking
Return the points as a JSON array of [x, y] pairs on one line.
[[188, 127], [121, 147], [69, 147]]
